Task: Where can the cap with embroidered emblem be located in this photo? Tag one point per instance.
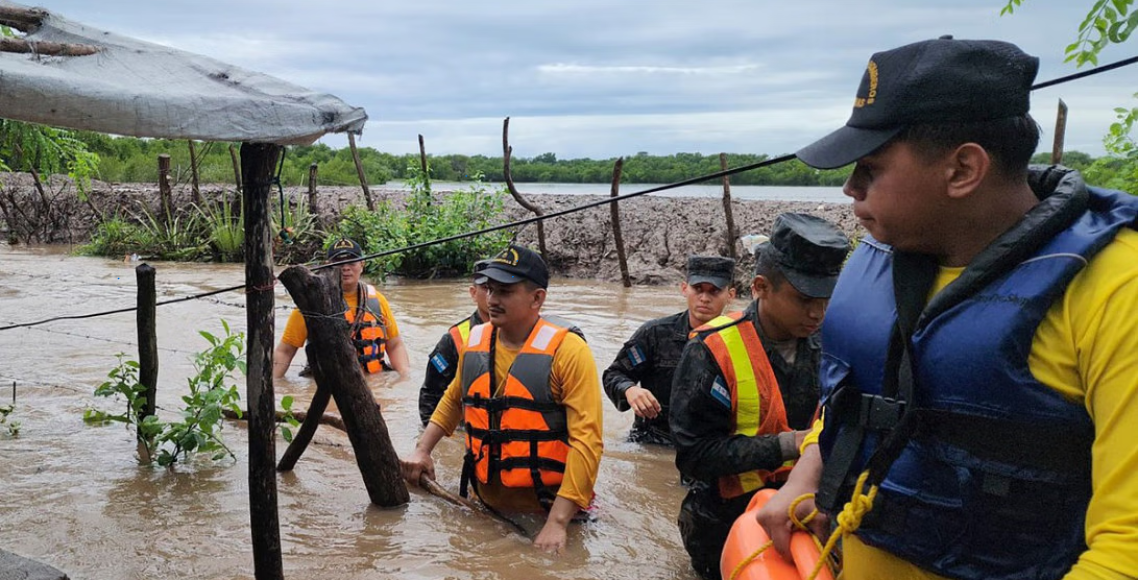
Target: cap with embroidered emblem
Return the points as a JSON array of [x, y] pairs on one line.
[[809, 251], [343, 249], [933, 81], [514, 264]]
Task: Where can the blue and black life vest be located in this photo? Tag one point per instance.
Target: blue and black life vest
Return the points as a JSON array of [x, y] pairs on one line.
[[984, 472]]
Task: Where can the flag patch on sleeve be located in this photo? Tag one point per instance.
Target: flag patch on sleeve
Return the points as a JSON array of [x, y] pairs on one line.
[[719, 392], [636, 355], [439, 362]]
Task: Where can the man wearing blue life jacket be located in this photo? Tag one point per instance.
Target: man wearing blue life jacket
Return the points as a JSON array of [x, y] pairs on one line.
[[746, 389], [980, 364]]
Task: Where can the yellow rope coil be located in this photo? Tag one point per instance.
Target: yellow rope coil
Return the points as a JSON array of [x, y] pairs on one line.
[[849, 520]]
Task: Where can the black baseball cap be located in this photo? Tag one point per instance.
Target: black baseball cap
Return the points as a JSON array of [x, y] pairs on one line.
[[809, 251], [933, 81], [514, 264], [714, 270], [479, 266], [344, 249]]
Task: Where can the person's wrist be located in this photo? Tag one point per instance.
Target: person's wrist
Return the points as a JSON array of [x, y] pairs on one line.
[[788, 445]]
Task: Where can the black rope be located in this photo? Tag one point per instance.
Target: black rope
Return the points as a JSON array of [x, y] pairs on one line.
[[527, 221]]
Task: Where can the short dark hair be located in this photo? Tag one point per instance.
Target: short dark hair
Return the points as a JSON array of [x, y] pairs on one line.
[[1010, 142], [767, 267]]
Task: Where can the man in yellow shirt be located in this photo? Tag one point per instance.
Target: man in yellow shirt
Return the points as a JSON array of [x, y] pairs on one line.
[[528, 396], [374, 330], [980, 364]]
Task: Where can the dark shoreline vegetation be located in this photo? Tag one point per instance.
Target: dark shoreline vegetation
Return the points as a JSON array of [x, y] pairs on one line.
[[121, 215]]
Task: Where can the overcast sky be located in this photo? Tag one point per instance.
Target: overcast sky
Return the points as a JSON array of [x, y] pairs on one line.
[[600, 79]]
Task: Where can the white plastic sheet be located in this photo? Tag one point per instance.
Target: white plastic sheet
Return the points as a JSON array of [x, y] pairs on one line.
[[132, 87]]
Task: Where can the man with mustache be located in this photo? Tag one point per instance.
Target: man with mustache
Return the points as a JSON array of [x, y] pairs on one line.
[[528, 397], [746, 389]]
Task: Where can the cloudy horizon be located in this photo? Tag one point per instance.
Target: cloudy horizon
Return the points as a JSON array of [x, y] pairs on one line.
[[604, 79]]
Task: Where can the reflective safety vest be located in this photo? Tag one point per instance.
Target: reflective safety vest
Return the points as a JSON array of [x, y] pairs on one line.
[[751, 389], [518, 435], [370, 336], [459, 334]]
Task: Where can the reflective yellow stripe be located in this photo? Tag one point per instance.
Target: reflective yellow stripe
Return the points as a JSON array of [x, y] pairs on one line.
[[464, 330], [746, 392]]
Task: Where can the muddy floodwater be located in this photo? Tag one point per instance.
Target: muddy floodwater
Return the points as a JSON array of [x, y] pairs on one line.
[[74, 496]]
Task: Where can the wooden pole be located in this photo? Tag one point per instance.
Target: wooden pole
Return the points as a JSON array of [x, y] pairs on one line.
[[312, 170], [146, 316], [616, 235], [194, 174], [423, 164], [236, 166], [258, 164], [336, 368], [360, 172], [164, 187], [727, 208], [506, 152], [1060, 134]]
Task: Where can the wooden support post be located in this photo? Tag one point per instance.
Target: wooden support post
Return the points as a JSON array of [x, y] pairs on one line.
[[236, 167], [616, 235], [146, 315], [335, 367], [423, 164], [360, 172], [194, 178], [312, 170], [164, 188], [727, 208], [1060, 134], [506, 152], [258, 165]]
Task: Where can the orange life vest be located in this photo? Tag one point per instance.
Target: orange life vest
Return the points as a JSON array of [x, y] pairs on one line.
[[751, 387], [370, 335], [520, 434]]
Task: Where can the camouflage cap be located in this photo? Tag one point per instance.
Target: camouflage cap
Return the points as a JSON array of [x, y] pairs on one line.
[[714, 270], [809, 251]]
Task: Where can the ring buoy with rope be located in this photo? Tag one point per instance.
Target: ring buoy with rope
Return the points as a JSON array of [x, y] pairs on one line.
[[748, 554]]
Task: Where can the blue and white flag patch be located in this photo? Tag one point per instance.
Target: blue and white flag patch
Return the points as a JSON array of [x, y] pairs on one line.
[[636, 355], [719, 392], [439, 362]]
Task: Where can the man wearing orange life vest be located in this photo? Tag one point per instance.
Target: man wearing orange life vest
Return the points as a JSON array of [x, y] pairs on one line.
[[374, 331], [746, 388], [528, 395]]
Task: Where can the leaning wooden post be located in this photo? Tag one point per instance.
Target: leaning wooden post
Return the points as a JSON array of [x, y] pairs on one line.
[[1060, 134], [335, 367], [146, 316], [727, 208], [258, 164], [164, 187], [360, 172], [506, 152], [312, 170], [194, 174], [616, 235], [423, 164], [236, 166]]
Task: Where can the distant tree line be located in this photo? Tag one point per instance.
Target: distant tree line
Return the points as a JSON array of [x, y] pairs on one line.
[[128, 160]]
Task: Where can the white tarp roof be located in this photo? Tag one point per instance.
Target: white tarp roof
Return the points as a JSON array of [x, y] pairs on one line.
[[137, 88]]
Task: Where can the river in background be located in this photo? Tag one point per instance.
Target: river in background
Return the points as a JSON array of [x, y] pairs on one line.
[[828, 194], [75, 497]]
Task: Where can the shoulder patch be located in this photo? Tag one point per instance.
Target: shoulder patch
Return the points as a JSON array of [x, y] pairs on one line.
[[439, 362], [719, 392], [636, 355]]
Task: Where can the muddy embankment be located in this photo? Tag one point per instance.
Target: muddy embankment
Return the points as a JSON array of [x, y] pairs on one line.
[[659, 232]]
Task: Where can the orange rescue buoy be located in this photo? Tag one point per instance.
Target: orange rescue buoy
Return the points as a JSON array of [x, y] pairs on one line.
[[747, 536]]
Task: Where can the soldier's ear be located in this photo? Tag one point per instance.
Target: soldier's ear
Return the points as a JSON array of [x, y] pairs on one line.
[[760, 287]]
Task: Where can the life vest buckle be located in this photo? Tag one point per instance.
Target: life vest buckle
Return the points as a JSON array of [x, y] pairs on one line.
[[880, 413]]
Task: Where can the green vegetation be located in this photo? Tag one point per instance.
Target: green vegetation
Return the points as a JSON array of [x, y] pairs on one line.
[[426, 217], [210, 392], [13, 427], [288, 421]]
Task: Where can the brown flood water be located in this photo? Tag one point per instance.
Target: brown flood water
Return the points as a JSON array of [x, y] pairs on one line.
[[74, 496]]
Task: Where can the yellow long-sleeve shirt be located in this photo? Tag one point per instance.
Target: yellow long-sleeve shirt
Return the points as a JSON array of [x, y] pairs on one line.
[[296, 332], [575, 385], [1087, 349]]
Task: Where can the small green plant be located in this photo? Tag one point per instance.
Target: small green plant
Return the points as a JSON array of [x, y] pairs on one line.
[[225, 229], [290, 421], [13, 427], [210, 393]]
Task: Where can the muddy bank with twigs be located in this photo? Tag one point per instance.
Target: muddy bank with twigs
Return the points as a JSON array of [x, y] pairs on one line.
[[659, 232]]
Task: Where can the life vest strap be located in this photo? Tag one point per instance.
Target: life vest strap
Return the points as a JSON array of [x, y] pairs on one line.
[[533, 463], [499, 404], [503, 435]]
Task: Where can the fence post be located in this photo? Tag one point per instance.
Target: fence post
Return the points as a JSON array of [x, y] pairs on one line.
[[146, 316], [360, 171], [1060, 134], [507, 151], [312, 169], [616, 235], [727, 208], [423, 165], [194, 174], [164, 187], [258, 164], [236, 167]]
